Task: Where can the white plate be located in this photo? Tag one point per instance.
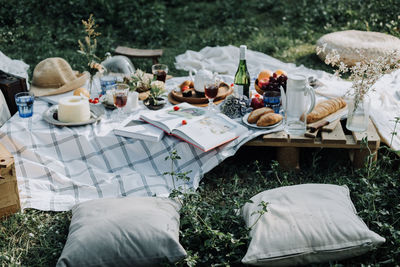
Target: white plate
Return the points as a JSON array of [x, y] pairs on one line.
[[96, 111], [244, 119]]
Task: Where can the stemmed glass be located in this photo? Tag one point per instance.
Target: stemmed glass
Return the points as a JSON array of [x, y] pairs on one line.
[[211, 92], [160, 71], [120, 95]]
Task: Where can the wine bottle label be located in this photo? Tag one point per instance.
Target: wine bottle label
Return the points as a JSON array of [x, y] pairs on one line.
[[238, 89]]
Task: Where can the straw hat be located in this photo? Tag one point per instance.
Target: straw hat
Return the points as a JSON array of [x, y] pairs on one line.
[[55, 76], [346, 43]]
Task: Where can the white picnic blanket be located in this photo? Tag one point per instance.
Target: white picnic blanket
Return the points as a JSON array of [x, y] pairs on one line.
[[385, 101], [58, 167]]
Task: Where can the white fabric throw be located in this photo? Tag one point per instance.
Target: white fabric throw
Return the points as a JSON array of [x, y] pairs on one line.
[[16, 67], [385, 100]]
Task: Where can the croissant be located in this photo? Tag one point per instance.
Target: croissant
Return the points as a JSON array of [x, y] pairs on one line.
[[269, 119], [256, 114], [325, 108]]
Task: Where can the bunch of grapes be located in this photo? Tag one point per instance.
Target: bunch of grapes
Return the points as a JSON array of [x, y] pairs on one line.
[[275, 83]]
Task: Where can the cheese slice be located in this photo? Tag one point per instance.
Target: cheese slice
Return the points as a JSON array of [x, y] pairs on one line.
[[73, 109]]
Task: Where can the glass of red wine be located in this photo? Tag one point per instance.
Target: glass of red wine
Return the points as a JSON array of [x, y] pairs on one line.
[[120, 95], [160, 71], [211, 92]]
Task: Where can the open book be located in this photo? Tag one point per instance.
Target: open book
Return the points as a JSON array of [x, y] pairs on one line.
[[195, 126], [133, 127]]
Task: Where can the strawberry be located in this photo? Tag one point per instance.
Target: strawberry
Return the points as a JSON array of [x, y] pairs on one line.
[[176, 108]]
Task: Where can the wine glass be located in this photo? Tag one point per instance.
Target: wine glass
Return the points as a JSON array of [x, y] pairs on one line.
[[211, 92], [120, 95], [160, 71]]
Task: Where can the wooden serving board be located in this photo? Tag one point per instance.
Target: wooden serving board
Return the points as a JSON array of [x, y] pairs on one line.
[[176, 97], [223, 92], [173, 101]]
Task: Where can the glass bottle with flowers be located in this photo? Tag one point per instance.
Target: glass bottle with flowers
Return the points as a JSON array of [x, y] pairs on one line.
[[363, 75], [88, 49]]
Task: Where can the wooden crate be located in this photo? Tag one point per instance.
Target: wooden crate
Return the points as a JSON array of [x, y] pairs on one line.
[[288, 146], [9, 196]]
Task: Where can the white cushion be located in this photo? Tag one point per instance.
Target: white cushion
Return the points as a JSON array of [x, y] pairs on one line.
[[371, 44], [304, 224], [131, 231]]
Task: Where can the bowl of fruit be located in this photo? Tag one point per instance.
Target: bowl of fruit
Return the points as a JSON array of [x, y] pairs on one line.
[[270, 81]]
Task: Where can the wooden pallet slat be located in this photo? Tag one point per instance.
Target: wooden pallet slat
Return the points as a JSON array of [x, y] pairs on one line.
[[276, 137], [300, 139], [370, 133], [337, 136]]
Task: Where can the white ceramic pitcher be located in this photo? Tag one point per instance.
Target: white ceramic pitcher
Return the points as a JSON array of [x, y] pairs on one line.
[[299, 101], [201, 77]]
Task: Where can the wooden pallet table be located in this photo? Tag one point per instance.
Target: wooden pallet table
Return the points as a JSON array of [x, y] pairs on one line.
[[288, 147]]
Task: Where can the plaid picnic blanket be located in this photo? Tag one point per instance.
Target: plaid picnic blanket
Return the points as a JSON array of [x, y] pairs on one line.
[[58, 167]]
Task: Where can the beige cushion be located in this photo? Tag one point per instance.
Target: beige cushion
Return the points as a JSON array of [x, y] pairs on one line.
[[372, 44], [305, 224]]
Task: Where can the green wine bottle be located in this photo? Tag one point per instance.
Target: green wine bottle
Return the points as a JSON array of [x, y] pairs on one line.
[[242, 76]]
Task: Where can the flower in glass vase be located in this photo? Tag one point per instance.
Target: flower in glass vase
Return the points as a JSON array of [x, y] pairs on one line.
[[88, 49], [363, 75]]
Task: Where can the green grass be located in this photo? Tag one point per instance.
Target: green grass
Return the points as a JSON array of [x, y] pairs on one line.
[[287, 30]]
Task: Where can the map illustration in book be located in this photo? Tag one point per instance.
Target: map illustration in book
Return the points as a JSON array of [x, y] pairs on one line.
[[195, 125]]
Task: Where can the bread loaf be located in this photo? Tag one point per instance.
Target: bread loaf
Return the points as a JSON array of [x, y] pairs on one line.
[[269, 119], [256, 114], [324, 108]]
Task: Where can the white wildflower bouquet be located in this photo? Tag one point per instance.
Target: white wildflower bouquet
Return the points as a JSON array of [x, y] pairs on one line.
[[364, 73]]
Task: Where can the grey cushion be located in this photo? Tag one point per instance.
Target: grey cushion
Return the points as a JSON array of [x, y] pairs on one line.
[[123, 232], [304, 224]]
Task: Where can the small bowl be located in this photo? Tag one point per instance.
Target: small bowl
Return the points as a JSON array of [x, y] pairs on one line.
[[161, 104]]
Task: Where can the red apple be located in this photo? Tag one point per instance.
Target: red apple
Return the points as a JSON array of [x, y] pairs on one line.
[[256, 103]]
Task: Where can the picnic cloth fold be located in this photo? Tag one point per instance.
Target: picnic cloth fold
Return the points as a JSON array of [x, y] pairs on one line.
[[385, 100], [58, 167]]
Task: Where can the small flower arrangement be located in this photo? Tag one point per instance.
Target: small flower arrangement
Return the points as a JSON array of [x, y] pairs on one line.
[[157, 89], [88, 48], [364, 73], [139, 81]]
